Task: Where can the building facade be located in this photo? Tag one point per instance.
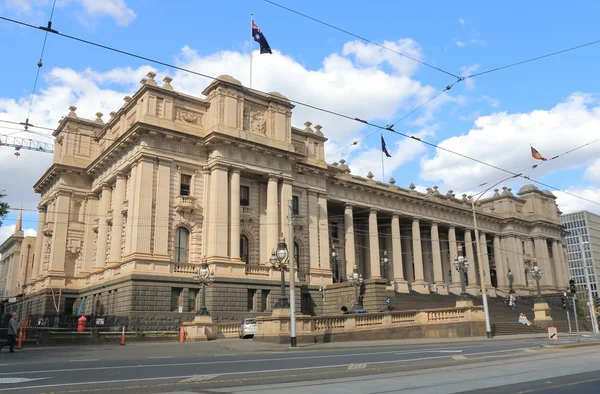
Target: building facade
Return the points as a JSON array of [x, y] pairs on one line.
[[16, 262], [586, 225], [131, 207]]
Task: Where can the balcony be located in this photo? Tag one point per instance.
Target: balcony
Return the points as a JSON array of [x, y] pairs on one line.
[[246, 212], [258, 270], [185, 204]]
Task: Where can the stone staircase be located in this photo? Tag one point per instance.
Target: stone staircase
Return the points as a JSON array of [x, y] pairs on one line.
[[504, 320]]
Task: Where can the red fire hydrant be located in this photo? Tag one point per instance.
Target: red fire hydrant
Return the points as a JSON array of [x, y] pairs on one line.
[[81, 323]]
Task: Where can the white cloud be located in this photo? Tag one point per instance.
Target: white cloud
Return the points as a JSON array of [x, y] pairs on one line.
[[8, 230], [461, 21], [373, 56], [343, 83], [569, 203], [592, 173], [503, 140], [86, 10], [466, 71]]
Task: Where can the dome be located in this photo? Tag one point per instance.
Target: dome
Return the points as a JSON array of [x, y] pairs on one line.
[[229, 79], [528, 188]]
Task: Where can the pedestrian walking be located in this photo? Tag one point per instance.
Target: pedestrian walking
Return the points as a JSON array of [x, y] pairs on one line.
[[13, 329]]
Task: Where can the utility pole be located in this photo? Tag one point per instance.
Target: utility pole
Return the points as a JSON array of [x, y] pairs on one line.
[[292, 265], [575, 314], [589, 287]]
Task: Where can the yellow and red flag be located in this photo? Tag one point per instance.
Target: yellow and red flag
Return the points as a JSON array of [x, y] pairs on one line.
[[536, 155]]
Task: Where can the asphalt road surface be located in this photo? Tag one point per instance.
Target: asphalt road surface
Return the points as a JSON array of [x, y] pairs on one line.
[[237, 367]]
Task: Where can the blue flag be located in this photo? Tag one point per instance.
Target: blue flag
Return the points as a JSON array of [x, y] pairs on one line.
[[383, 148], [260, 38]]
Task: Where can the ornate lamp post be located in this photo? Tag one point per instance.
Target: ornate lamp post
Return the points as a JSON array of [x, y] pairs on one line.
[[385, 263], [334, 264], [356, 280], [511, 277], [536, 273], [279, 262], [205, 278], [462, 265]]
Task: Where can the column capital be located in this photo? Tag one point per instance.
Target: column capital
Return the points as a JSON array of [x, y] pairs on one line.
[[373, 210], [395, 215], [65, 193], [122, 174], [434, 224], [106, 186], [91, 196], [42, 208], [273, 177], [215, 165], [415, 220], [236, 169], [349, 205]]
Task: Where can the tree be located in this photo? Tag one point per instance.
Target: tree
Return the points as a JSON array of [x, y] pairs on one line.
[[3, 208]]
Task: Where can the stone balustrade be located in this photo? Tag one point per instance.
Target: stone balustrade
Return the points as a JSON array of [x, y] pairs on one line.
[[447, 322], [185, 268], [258, 270]]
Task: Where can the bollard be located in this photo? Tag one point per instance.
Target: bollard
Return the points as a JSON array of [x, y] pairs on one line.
[[181, 334], [123, 336], [20, 338]]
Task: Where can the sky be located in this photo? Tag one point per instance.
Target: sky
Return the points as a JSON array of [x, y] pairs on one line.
[[552, 103]]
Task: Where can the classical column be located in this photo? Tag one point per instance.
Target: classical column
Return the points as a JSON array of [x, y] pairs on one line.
[[407, 255], [564, 264], [162, 211], [401, 285], [560, 281], [374, 245], [324, 246], [455, 287], [438, 275], [516, 263], [285, 197], [313, 228], [132, 203], [501, 269], [59, 235], [419, 285], [234, 226], [101, 243], [543, 260], [349, 238], [485, 260], [272, 210], [219, 213], [117, 219], [89, 234], [141, 214], [39, 242], [472, 288]]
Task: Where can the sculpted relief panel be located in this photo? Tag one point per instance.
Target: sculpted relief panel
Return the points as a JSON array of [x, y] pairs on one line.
[[188, 116], [254, 120]]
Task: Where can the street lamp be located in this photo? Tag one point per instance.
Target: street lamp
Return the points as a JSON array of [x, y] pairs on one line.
[[278, 262], [334, 264], [462, 265], [356, 280], [536, 274], [511, 277], [486, 311], [587, 284], [205, 278], [385, 263]]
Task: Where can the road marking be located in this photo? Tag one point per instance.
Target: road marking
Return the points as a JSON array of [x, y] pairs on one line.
[[356, 366], [459, 357], [82, 360], [157, 357], [527, 350], [227, 373], [198, 378], [222, 355], [17, 380], [450, 351]]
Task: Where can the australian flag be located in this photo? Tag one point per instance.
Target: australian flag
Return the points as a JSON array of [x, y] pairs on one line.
[[260, 38], [383, 148]]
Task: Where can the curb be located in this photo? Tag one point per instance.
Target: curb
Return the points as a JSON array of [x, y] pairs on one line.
[[572, 346]]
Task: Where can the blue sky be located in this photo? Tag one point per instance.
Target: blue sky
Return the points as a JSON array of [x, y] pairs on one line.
[[551, 103]]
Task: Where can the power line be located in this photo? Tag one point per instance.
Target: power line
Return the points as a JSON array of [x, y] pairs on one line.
[[39, 65], [363, 39], [324, 110], [532, 59]]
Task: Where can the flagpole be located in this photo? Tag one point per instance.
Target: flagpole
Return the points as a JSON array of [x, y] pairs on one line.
[[251, 39], [382, 167]]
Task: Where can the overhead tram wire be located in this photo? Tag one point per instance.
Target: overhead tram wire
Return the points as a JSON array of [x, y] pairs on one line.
[[363, 39], [320, 109], [39, 67]]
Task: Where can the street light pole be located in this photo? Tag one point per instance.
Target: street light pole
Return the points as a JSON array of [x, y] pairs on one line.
[[536, 274], [356, 280], [486, 310], [292, 266], [589, 287], [385, 264], [204, 278], [461, 264]]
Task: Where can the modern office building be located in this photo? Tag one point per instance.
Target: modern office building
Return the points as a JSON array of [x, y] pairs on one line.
[[586, 225]]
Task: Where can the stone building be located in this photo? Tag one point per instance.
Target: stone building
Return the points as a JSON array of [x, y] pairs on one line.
[[16, 262], [132, 206]]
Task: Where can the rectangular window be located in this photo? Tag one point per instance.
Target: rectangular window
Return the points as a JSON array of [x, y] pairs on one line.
[[251, 294], [244, 196], [192, 297], [295, 205], [176, 299], [264, 300], [185, 185]]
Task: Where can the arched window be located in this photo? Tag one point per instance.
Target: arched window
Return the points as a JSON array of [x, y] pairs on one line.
[[182, 245], [244, 249], [297, 256]]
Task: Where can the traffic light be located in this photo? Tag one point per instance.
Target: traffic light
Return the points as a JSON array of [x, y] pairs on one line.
[[564, 302], [572, 286]]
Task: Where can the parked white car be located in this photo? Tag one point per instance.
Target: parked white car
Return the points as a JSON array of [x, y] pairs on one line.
[[248, 327]]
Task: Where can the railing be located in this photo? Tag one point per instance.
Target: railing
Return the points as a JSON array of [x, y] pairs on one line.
[[329, 323], [404, 317], [258, 270], [370, 320], [450, 314], [227, 330], [185, 268], [186, 199]]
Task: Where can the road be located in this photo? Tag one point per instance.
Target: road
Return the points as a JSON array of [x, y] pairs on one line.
[[246, 367]]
